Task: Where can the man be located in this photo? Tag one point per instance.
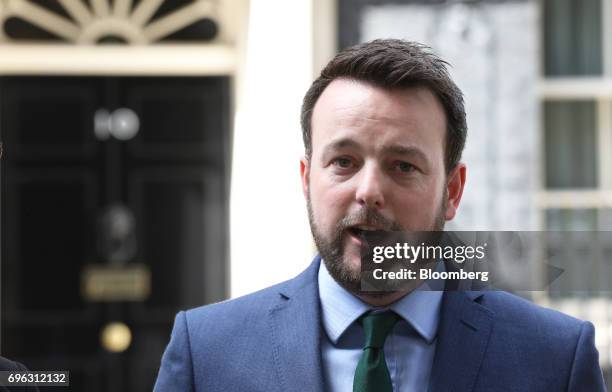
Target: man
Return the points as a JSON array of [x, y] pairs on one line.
[[384, 127]]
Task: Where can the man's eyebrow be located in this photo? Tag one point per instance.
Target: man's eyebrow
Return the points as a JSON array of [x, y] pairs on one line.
[[340, 144], [394, 149], [398, 149]]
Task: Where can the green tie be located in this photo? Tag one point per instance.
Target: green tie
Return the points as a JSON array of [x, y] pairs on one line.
[[372, 373]]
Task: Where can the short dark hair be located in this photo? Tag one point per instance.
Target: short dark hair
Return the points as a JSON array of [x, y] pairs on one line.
[[392, 64]]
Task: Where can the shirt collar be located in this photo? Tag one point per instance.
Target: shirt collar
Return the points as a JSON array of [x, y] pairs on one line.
[[340, 309]]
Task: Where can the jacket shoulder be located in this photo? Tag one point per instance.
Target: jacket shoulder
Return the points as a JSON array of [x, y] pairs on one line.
[[535, 329], [8, 365], [512, 308], [252, 307], [234, 313], [545, 348]]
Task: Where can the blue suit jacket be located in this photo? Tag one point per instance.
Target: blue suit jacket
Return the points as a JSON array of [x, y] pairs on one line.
[[270, 341]]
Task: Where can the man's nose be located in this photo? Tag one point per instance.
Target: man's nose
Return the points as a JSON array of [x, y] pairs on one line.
[[370, 187]]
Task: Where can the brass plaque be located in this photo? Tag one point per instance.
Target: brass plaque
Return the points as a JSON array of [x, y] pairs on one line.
[[116, 283]]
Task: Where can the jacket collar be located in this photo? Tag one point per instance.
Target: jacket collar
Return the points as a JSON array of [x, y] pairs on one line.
[[463, 337], [295, 325]]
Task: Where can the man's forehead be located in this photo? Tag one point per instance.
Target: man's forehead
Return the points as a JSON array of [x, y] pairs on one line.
[[349, 95], [348, 105]]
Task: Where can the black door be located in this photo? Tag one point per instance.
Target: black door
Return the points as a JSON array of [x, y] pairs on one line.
[[114, 216]]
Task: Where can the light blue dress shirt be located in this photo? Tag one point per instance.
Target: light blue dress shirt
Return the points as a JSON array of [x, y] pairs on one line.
[[409, 348]]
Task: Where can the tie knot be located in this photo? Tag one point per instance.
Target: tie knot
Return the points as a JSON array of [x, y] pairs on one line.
[[377, 326]]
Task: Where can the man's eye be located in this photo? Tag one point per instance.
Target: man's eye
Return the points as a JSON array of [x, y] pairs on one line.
[[343, 163], [404, 167]]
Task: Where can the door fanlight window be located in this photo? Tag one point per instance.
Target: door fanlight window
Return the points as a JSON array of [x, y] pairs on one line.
[[103, 21]]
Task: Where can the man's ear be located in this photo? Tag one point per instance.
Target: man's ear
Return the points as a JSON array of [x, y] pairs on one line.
[[454, 189], [305, 174]]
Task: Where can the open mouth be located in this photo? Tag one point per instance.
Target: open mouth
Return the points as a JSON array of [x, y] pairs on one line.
[[368, 235]]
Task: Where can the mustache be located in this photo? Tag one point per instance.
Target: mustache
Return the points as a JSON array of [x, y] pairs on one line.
[[367, 216]]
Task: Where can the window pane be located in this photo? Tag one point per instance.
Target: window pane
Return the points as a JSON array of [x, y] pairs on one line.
[[605, 220], [571, 154], [572, 37], [575, 246], [571, 219], [569, 227], [579, 219]]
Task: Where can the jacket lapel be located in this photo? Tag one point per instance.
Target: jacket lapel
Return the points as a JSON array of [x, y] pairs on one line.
[[463, 336], [295, 323]]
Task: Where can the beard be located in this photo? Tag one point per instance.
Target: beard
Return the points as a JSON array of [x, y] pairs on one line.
[[332, 249]]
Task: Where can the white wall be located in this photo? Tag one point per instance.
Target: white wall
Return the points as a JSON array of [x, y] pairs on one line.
[[270, 239]]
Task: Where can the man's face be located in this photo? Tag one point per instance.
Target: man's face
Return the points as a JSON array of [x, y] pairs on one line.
[[377, 163]]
